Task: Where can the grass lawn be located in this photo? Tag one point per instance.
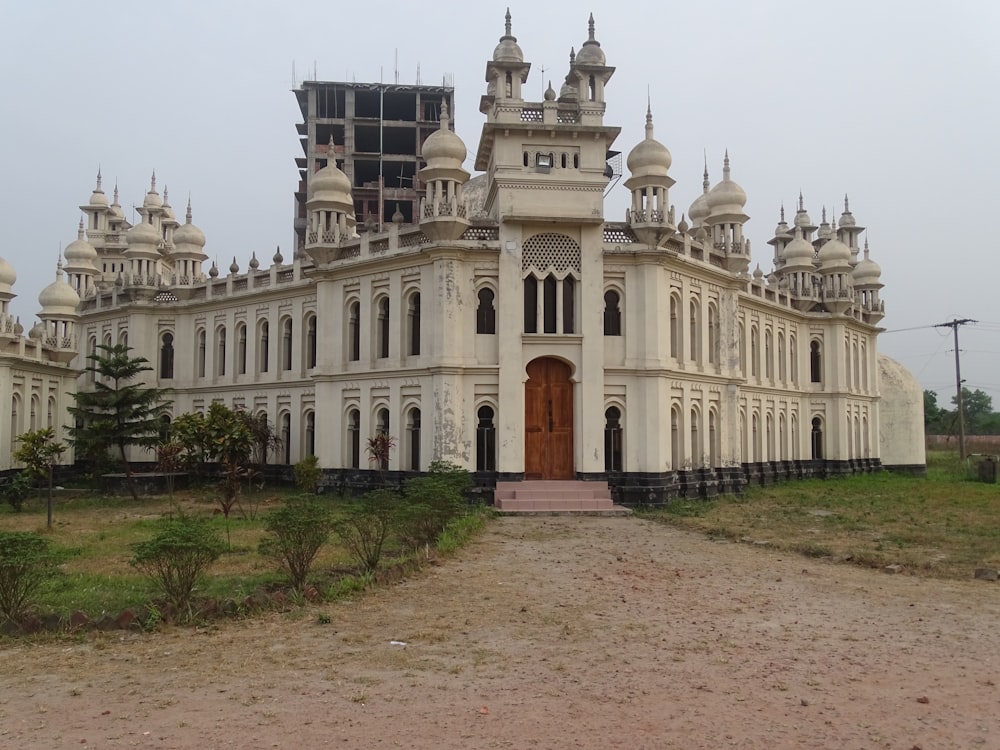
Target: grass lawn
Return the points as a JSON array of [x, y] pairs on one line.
[[942, 526], [98, 531]]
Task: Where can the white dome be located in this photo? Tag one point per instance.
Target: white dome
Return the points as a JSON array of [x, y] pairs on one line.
[[58, 298], [80, 251], [443, 144], [142, 234], [726, 194], [98, 198], [798, 252], [834, 253], [867, 271], [507, 51], [7, 274], [591, 52], [649, 157], [187, 233], [330, 183]]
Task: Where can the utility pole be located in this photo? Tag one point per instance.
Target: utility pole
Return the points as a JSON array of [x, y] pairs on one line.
[[953, 325]]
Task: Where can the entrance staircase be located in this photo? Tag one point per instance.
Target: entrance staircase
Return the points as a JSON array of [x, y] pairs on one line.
[[548, 497]]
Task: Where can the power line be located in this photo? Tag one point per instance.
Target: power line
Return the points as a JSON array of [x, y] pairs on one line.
[[954, 325]]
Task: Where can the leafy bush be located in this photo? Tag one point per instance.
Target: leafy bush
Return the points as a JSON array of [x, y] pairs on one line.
[[18, 489], [177, 555], [366, 527], [296, 533], [26, 560], [431, 502], [308, 474]]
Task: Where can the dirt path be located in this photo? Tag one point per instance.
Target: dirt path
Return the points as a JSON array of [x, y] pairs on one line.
[[549, 633]]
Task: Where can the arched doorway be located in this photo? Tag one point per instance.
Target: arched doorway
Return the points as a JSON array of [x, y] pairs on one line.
[[548, 420]]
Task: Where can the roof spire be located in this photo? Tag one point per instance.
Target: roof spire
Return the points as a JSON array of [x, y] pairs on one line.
[[704, 179], [444, 114], [572, 57], [823, 214], [79, 231], [847, 205], [725, 166], [187, 216], [782, 213], [98, 188], [152, 183], [801, 204], [116, 193], [507, 24], [166, 202], [590, 28]]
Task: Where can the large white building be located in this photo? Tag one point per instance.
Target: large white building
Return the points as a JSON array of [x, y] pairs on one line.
[[512, 328]]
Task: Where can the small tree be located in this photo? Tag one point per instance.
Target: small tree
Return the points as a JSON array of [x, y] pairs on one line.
[[39, 451], [296, 532], [431, 502], [177, 556], [307, 474], [379, 448], [119, 412], [26, 560], [169, 461], [366, 527]]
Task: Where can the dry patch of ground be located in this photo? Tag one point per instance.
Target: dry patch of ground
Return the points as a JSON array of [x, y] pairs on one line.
[[548, 632]]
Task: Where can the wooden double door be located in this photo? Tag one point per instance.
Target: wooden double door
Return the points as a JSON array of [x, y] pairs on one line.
[[548, 420]]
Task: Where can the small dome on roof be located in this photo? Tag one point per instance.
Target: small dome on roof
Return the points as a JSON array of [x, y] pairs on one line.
[[80, 251], [507, 51], [443, 144], [7, 275], [98, 198], [550, 93], [142, 234], [591, 52], [330, 183], [152, 199], [727, 193], [867, 271], [187, 233], [847, 218], [649, 157], [834, 253], [798, 252], [58, 298]]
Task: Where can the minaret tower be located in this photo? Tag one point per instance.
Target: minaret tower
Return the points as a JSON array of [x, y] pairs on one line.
[[651, 217]]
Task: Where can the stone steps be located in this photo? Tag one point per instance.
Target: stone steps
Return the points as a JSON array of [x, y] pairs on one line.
[[555, 497]]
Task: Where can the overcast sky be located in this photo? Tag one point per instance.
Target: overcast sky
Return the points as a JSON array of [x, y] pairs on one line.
[[892, 103]]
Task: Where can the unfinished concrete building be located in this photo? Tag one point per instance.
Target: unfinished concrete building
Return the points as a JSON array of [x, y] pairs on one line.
[[378, 130]]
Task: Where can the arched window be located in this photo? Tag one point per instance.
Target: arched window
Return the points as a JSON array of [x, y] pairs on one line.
[[383, 327], [286, 344], [592, 88], [486, 440], [525, 158], [310, 342], [742, 346], [576, 161], [241, 349], [310, 437], [755, 429], [612, 439], [569, 305], [530, 305], [91, 351], [793, 360], [754, 352], [782, 367], [354, 331], [508, 85], [413, 439], [612, 314], [817, 439], [713, 438], [562, 161], [354, 437], [50, 415], [167, 356], [713, 335], [769, 438], [15, 411], [164, 428], [694, 325], [201, 353], [675, 438], [486, 314], [697, 453], [815, 362], [264, 339], [675, 334], [413, 324], [220, 356], [382, 428], [286, 436], [856, 361], [549, 304], [768, 355], [33, 414]]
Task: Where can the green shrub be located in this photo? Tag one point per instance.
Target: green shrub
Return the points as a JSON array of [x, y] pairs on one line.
[[296, 532], [26, 560], [308, 474], [177, 555], [431, 502], [366, 526], [18, 489]]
